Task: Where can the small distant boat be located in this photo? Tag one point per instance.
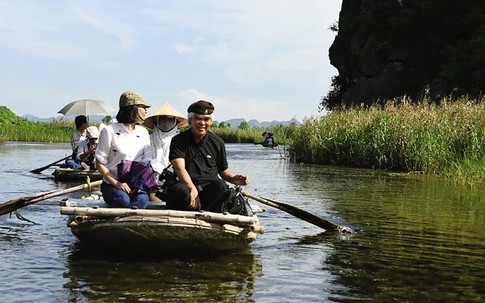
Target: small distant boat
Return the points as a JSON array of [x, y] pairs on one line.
[[268, 144], [69, 174], [268, 139], [158, 229]]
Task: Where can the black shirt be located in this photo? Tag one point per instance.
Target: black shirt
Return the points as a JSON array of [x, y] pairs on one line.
[[204, 160]]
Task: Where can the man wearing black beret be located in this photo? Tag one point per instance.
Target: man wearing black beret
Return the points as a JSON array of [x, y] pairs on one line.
[[199, 160]]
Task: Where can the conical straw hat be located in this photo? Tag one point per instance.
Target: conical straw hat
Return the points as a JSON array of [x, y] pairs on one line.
[[165, 110]]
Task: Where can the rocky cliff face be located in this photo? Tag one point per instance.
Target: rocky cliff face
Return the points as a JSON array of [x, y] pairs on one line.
[[390, 48]]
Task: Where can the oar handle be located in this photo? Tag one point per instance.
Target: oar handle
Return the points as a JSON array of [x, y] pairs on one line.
[[15, 204], [260, 199]]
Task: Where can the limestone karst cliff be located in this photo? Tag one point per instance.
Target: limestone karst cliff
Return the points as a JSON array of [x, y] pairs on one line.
[[390, 48]]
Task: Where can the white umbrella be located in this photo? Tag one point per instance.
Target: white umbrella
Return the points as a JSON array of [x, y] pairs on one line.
[[87, 107]]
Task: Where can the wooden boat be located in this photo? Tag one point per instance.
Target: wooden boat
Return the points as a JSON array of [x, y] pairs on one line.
[[69, 174], [267, 144], [158, 229]]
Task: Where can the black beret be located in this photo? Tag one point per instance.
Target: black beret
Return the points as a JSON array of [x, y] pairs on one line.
[[201, 107]]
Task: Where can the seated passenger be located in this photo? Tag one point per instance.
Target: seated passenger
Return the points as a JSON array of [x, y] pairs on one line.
[[87, 149]]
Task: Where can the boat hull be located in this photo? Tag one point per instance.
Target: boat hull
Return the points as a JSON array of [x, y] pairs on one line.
[[161, 230], [269, 145], [69, 174]]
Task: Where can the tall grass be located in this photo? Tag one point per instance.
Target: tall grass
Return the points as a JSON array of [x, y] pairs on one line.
[[15, 128], [282, 134], [61, 131], [446, 139], [56, 131]]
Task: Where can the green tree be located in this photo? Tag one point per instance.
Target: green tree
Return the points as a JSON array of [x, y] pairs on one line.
[[244, 125]]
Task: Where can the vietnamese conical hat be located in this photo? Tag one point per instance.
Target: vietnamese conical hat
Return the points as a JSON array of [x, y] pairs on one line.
[[165, 110]]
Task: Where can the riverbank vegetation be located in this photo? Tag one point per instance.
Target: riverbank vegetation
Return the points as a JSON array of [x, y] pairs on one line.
[[446, 139], [14, 128], [246, 134]]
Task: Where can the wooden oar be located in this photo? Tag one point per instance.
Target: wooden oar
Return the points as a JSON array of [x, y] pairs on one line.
[[38, 170], [15, 204], [300, 213]]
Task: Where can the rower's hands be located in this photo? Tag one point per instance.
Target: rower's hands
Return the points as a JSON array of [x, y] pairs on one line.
[[240, 180]]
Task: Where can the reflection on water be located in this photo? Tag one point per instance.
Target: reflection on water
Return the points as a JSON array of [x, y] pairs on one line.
[[418, 239], [194, 278]]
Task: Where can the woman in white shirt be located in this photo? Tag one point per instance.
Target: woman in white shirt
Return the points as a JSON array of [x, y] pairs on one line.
[[124, 140]]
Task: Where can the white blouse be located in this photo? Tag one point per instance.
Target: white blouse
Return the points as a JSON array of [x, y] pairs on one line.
[[117, 143]]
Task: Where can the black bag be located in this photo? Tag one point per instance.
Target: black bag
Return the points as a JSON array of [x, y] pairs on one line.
[[166, 179], [234, 202]]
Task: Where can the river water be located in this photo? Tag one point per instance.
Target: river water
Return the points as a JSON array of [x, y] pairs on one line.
[[417, 239]]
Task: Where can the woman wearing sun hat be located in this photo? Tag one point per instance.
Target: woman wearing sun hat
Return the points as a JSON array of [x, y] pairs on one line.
[[165, 123], [124, 140]]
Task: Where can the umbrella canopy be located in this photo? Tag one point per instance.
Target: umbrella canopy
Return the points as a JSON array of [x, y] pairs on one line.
[[87, 107]]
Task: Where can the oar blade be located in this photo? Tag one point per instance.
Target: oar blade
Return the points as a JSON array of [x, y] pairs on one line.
[[301, 214], [305, 215], [40, 169]]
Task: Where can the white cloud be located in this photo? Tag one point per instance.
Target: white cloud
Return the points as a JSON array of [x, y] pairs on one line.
[[32, 28], [103, 22], [183, 49], [254, 41], [245, 56], [193, 94]]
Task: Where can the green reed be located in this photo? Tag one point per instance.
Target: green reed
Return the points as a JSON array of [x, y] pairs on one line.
[[61, 131], [282, 133], [56, 131], [446, 139]]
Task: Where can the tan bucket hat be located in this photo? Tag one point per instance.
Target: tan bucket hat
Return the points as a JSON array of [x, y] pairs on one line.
[[165, 110], [129, 98]]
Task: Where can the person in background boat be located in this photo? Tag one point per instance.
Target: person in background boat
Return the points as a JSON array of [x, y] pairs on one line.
[[200, 162], [124, 140], [79, 133], [87, 149], [268, 138], [165, 123]]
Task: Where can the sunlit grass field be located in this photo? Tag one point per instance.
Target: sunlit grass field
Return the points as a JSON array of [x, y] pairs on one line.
[[14, 128]]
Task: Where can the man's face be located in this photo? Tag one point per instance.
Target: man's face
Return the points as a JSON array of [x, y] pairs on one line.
[[201, 124]]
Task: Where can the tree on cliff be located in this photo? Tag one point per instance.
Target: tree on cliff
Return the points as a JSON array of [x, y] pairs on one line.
[[390, 48]]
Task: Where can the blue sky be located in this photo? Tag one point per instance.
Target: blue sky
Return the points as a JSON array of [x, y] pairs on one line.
[[253, 59]]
